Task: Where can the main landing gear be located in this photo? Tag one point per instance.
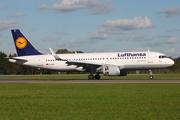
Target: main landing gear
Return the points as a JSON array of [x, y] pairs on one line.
[[151, 75], [92, 77]]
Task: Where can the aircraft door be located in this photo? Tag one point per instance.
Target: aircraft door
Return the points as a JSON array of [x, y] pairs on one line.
[[40, 61], [150, 58]]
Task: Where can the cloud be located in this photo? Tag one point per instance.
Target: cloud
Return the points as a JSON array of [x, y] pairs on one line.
[[129, 24], [173, 30], [49, 39], [77, 43], [136, 37], [170, 12], [112, 27], [172, 52], [62, 44], [95, 6], [2, 7], [62, 33], [103, 8], [6, 24], [72, 44], [98, 35], [104, 33], [164, 36], [17, 15], [171, 40]]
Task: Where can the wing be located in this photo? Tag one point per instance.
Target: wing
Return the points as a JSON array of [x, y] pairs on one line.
[[86, 65], [93, 66]]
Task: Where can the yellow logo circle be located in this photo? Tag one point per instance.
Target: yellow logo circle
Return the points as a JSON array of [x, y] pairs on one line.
[[21, 42]]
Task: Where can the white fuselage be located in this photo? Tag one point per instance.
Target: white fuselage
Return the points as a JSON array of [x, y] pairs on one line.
[[127, 60]]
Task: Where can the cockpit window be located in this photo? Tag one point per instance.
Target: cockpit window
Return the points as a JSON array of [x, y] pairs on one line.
[[162, 56]]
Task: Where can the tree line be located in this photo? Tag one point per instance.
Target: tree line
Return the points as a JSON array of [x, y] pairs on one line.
[[7, 67]]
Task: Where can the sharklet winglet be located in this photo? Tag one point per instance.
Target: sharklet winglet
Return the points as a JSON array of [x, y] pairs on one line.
[[55, 55]]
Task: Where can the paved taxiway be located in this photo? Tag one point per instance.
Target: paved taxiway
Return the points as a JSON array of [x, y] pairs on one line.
[[89, 81]]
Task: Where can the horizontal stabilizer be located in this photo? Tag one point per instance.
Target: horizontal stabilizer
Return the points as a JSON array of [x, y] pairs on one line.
[[20, 59]]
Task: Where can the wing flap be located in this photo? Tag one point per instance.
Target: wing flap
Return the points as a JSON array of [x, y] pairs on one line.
[[84, 64], [92, 65]]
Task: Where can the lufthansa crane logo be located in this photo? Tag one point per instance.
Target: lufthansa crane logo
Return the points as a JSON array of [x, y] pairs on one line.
[[21, 42]]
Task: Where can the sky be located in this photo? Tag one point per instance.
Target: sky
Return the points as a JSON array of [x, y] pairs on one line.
[[93, 25]]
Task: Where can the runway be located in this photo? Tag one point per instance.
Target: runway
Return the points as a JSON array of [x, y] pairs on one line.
[[88, 81]]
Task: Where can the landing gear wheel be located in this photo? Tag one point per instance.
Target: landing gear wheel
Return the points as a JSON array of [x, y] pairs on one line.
[[91, 77], [151, 77], [97, 76]]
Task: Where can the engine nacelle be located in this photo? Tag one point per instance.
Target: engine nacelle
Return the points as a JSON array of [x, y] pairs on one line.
[[80, 69], [112, 70]]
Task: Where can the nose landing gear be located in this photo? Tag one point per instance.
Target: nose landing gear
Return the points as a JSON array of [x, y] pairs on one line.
[[151, 75]]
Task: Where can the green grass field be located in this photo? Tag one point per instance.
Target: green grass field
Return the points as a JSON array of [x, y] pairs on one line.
[[89, 101], [84, 77]]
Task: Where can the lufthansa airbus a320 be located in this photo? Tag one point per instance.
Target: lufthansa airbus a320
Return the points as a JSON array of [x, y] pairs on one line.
[[107, 63]]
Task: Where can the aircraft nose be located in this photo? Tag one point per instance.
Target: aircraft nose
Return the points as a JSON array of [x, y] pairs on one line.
[[171, 62]]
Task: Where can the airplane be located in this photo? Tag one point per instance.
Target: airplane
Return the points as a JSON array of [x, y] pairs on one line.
[[108, 63]]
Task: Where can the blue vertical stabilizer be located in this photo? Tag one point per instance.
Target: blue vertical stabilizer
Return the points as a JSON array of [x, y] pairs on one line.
[[23, 46]]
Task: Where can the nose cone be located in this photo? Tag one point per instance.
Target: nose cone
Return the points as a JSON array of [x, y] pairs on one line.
[[170, 62]]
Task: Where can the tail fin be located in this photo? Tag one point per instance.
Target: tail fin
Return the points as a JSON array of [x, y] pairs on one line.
[[23, 46]]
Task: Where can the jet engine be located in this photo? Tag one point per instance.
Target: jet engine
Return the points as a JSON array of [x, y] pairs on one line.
[[113, 70], [81, 69]]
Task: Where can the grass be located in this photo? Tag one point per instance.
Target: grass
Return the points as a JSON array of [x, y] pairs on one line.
[[84, 77], [90, 101]]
